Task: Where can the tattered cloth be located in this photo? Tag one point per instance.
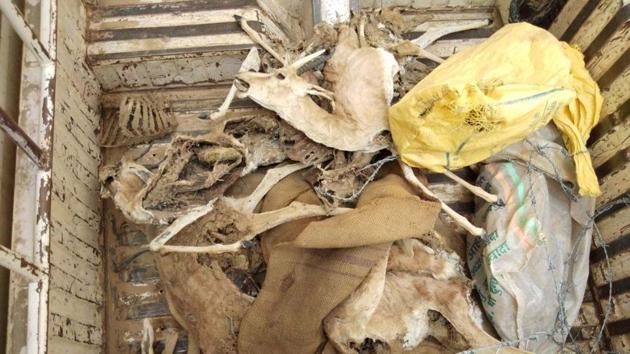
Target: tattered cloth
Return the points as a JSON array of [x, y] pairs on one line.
[[313, 266]]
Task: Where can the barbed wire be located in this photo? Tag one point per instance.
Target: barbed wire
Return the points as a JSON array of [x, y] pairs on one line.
[[562, 327]]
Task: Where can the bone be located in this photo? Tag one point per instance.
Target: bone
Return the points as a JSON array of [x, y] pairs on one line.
[[297, 64], [251, 62], [180, 223], [257, 38], [259, 223], [434, 33], [139, 119], [478, 191], [249, 224], [458, 218], [148, 336], [272, 177]]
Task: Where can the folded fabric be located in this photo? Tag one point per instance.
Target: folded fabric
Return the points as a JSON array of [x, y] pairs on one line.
[[314, 265]]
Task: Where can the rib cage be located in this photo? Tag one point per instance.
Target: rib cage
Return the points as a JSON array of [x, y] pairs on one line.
[[138, 119]]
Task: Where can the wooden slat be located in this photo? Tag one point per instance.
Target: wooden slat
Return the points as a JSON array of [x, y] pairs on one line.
[[566, 17], [614, 226], [168, 19], [621, 343], [614, 50], [616, 92], [619, 269], [154, 74], [614, 176], [147, 46], [596, 21], [615, 138]]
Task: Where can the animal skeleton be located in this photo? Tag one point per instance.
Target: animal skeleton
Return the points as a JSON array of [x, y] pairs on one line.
[[139, 118], [236, 217]]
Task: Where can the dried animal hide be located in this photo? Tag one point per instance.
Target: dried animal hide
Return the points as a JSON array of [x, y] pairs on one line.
[[300, 148], [190, 171], [342, 180], [206, 301], [139, 119], [393, 304], [260, 139], [195, 170], [203, 299], [126, 184], [233, 222], [359, 102]]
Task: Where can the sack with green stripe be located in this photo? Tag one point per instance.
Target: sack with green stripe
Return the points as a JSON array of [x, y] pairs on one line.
[[531, 268]]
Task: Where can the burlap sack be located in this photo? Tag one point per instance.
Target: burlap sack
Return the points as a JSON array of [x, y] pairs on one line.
[[312, 267], [201, 298]]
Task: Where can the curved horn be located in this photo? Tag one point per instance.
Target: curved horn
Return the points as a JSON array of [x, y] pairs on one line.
[[298, 63]]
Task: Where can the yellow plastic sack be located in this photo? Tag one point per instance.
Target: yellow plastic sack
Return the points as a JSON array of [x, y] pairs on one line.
[[492, 95]]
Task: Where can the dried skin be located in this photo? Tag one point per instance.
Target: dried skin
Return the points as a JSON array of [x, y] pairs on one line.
[[191, 168], [260, 138], [358, 105], [207, 295], [341, 181], [205, 301], [393, 304], [301, 149]]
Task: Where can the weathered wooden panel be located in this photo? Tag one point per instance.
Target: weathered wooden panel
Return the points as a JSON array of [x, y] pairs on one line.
[[167, 19], [596, 21], [619, 269], [613, 226], [566, 17], [621, 343], [153, 74], [76, 292], [614, 49], [424, 4], [614, 176], [620, 307]]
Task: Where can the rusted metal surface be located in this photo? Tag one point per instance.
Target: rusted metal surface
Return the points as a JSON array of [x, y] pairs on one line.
[[22, 140], [16, 263]]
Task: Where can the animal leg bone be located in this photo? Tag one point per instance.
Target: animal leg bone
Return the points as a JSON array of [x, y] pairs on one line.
[[148, 336], [257, 38], [272, 177], [478, 191], [245, 204], [259, 223], [245, 223], [251, 62], [180, 223], [432, 34], [459, 219]]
